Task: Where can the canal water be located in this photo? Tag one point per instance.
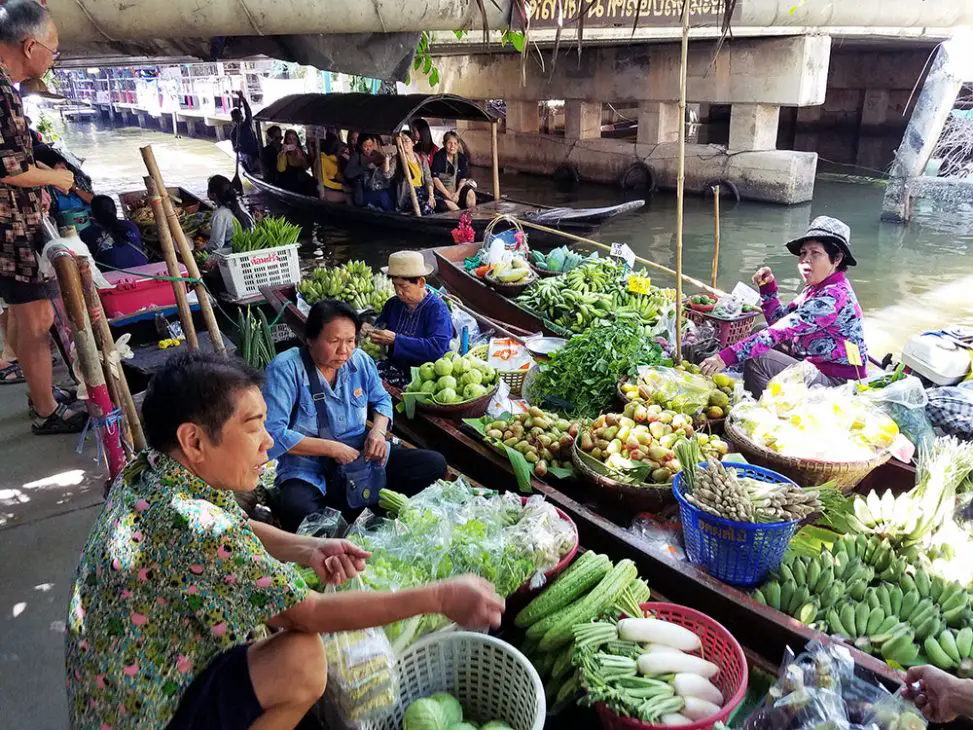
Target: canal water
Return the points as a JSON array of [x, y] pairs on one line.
[[910, 278]]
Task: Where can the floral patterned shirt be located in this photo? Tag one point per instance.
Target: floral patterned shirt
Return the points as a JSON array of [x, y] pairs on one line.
[[823, 325], [171, 576], [20, 208]]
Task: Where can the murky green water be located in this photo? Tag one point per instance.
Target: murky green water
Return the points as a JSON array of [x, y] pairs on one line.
[[909, 278]]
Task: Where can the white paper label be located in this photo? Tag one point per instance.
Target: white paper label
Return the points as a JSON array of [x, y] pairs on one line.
[[624, 252], [745, 294]]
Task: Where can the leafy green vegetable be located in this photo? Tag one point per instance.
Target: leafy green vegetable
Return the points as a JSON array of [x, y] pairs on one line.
[[589, 366], [270, 232]]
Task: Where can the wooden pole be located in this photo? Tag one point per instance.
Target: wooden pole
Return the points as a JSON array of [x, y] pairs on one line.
[[408, 178], [681, 174], [99, 402], [596, 244], [186, 252], [495, 152], [117, 382], [172, 265], [716, 234]]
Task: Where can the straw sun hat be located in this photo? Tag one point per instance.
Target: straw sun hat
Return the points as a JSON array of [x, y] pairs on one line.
[[407, 265]]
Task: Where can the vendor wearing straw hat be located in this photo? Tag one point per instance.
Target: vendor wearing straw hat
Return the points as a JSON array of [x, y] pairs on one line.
[[823, 325], [415, 324]]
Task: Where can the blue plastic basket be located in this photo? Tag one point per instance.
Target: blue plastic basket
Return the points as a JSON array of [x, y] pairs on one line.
[[738, 553]]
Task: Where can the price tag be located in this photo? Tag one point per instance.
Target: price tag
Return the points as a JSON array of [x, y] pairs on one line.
[[853, 353], [745, 294], [624, 252], [639, 284]]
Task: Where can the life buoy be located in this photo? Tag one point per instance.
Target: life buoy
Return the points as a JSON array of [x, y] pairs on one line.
[[727, 189], [567, 173], [638, 176]]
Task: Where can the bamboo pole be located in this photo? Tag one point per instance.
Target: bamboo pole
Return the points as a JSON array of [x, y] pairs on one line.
[[681, 174], [99, 401], [596, 244], [172, 265], [117, 383], [495, 153], [416, 209], [716, 234], [186, 252]]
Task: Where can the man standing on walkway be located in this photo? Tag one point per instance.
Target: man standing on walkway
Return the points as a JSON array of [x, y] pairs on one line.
[[28, 48], [243, 136]]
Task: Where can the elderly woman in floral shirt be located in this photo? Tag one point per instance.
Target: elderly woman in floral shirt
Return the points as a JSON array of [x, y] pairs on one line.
[[823, 325]]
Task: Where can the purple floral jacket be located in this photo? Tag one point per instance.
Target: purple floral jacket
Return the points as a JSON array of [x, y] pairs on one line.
[[821, 325]]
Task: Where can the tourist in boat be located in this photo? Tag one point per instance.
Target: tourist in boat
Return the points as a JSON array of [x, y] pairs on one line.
[[823, 325], [243, 138], [369, 172], [422, 135], [293, 166], [450, 173], [269, 154], [319, 398], [175, 580], [228, 209], [114, 243], [332, 181], [413, 174], [414, 325]]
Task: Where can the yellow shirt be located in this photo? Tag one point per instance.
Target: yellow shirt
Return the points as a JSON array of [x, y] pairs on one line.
[[330, 177], [415, 174]]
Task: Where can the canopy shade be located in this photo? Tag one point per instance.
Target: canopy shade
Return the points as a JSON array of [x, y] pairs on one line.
[[383, 114]]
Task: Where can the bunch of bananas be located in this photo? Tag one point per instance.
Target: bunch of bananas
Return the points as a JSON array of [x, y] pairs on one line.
[[353, 283], [894, 515], [874, 598], [382, 291]]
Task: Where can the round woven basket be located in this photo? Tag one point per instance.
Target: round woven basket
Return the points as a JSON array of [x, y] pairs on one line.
[[513, 378], [544, 274], [805, 472], [511, 290], [489, 677], [469, 409], [648, 498]]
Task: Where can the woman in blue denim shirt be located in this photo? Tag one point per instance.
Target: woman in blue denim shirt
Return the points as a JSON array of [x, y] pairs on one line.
[[311, 454]]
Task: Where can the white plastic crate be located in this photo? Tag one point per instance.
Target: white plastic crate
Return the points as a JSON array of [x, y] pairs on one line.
[[281, 332], [244, 273]]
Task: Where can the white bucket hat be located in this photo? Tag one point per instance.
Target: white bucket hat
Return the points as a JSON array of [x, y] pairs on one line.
[[407, 265]]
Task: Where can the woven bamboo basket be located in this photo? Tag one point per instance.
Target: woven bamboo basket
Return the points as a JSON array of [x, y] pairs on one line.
[[511, 290], [469, 409], [648, 498], [544, 274], [513, 378], [806, 472]]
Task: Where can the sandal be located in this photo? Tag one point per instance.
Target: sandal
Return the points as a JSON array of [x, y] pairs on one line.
[[61, 395], [11, 375], [61, 421]]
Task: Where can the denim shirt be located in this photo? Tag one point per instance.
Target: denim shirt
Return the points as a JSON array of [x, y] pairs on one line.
[[357, 388]]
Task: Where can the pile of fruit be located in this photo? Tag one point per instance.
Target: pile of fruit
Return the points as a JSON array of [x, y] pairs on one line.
[[454, 379], [863, 590], [595, 290], [706, 303], [682, 389], [543, 438], [442, 711], [515, 272], [560, 260], [640, 451], [194, 225], [354, 283]]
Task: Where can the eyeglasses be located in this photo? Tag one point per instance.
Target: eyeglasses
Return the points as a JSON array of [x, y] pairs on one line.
[[54, 54]]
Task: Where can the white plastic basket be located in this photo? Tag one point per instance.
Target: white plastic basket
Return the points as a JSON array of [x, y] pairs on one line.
[[281, 332], [490, 678], [244, 273]]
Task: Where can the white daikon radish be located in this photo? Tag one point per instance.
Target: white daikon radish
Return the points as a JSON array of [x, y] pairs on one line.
[[660, 649], [656, 631], [698, 709], [674, 718], [693, 685], [671, 663]]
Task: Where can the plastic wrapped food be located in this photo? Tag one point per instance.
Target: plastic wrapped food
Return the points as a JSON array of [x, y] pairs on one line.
[[904, 400]]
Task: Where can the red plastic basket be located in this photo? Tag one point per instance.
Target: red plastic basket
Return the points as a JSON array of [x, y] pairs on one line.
[[730, 331], [525, 590], [718, 646]]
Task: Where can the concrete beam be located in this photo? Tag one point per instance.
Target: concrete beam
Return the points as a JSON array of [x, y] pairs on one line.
[[523, 116], [582, 120], [782, 71], [658, 122], [754, 127]]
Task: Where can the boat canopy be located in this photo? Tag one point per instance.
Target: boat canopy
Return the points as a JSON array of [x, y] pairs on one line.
[[375, 114]]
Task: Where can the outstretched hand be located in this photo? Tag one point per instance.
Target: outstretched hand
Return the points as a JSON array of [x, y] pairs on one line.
[[337, 561]]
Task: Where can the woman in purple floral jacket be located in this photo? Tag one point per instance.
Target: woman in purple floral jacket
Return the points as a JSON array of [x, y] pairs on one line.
[[823, 325]]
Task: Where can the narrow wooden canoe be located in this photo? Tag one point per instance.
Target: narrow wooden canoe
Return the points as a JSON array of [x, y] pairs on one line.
[[763, 630], [135, 199]]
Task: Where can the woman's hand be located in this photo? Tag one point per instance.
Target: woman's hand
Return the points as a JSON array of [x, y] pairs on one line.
[[376, 447], [342, 453], [470, 601], [712, 365], [337, 561], [934, 692], [382, 337], [763, 276]]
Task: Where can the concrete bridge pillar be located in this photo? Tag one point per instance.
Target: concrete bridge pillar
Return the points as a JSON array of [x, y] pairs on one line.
[[658, 122], [753, 127], [523, 116], [875, 114], [582, 119]]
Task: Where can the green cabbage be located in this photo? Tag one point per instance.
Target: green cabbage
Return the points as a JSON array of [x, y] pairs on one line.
[[496, 725], [452, 709], [424, 714]]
